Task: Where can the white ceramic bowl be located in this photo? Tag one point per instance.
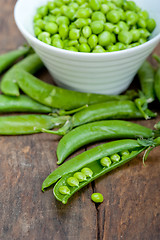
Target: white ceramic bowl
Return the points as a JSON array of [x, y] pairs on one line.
[[105, 73]]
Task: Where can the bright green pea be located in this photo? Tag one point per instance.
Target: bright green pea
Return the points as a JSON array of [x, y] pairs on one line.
[[143, 14], [37, 17], [74, 49], [83, 13], [56, 11], [142, 40], [122, 14], [66, 2], [92, 41], [125, 153], [65, 42], [123, 26], [97, 15], [113, 38], [80, 2], [74, 5], [64, 9], [105, 162], [55, 36], [118, 3], [73, 182], [51, 27], [63, 31], [80, 22], [62, 20], [82, 40], [151, 24], [37, 31], [144, 33], [97, 197], [134, 44], [43, 11], [51, 5], [50, 18], [57, 43], [80, 176], [142, 23], [111, 6], [121, 46], [95, 4], [116, 29], [104, 8], [113, 16], [70, 13], [125, 37], [85, 5], [64, 190], [97, 27], [135, 35], [131, 18], [74, 34], [72, 25], [109, 26], [43, 35], [84, 47], [98, 49], [58, 3], [115, 157], [72, 43], [86, 31], [40, 23], [129, 5], [104, 38], [113, 48], [87, 172]]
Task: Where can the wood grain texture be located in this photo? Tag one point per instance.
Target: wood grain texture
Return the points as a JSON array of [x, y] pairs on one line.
[[131, 208]]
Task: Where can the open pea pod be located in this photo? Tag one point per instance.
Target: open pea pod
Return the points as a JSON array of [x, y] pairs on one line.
[[102, 163]]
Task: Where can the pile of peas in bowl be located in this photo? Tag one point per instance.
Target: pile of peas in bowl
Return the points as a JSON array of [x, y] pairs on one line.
[[94, 26]]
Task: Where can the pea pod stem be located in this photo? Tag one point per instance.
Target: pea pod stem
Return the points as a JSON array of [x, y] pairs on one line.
[[7, 59], [56, 97], [31, 64]]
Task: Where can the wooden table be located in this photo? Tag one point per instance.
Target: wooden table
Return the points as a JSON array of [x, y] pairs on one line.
[[131, 207]]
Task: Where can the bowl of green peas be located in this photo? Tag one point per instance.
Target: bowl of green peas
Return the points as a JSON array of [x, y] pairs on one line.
[[91, 45]]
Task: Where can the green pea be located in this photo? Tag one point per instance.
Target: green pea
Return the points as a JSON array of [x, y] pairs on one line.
[[72, 43], [65, 42], [111, 6], [87, 172], [116, 29], [57, 43], [51, 5], [64, 9], [63, 31], [74, 34], [37, 31], [97, 197], [104, 38], [62, 20], [82, 40], [142, 40], [105, 162], [84, 47], [72, 26], [113, 38], [58, 3], [143, 14], [51, 27], [95, 4], [109, 26], [55, 36], [118, 3], [151, 24], [97, 27], [86, 31], [144, 33], [80, 2], [113, 48], [56, 11], [135, 35], [74, 5], [43, 10], [83, 13], [80, 22], [131, 18], [125, 37], [121, 46], [129, 5], [142, 23], [123, 26], [45, 37], [73, 182], [125, 153], [98, 49], [40, 23], [80, 176], [115, 157], [70, 13], [113, 16], [50, 18], [97, 15], [66, 2], [104, 8], [74, 49], [92, 41], [85, 5], [37, 17], [64, 190]]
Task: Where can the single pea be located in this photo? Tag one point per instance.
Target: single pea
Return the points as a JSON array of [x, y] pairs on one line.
[[104, 8], [135, 35], [151, 24], [84, 47], [113, 48], [135, 44], [62, 20], [98, 49], [121, 46], [57, 43], [122, 14], [123, 26], [43, 10], [37, 31], [56, 11], [97, 26], [95, 4], [111, 5], [125, 153], [63, 31], [105, 162], [113, 38], [74, 49], [109, 26], [125, 37], [144, 33], [116, 29], [143, 14], [72, 43], [104, 38], [64, 9], [84, 5], [65, 42], [80, 22], [66, 2], [64, 190], [86, 31], [70, 13], [118, 3], [45, 37], [51, 27], [37, 17], [80, 2], [74, 5], [97, 15], [129, 5], [87, 172], [80, 176], [58, 3], [92, 41], [73, 182], [142, 23], [51, 5], [82, 40], [97, 197], [50, 18], [142, 40], [55, 36], [115, 157], [40, 23], [113, 16], [74, 34], [83, 13], [72, 26], [131, 18]]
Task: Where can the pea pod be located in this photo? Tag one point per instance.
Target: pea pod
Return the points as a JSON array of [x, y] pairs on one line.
[[21, 104], [96, 131], [91, 159], [56, 97], [108, 110], [26, 124], [31, 63], [7, 59], [157, 78], [146, 77]]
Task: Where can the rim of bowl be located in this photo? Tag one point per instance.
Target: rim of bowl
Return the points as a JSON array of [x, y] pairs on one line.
[[72, 53]]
